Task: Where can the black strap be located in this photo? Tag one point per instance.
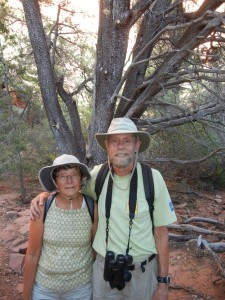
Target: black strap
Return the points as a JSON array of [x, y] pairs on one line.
[[48, 203], [149, 189], [133, 195], [91, 206], [100, 179], [108, 201], [132, 205]]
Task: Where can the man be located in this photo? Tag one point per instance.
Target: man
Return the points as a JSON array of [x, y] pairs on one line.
[[142, 273]]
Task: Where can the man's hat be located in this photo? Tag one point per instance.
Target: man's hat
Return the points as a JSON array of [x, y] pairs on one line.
[[122, 126], [45, 174]]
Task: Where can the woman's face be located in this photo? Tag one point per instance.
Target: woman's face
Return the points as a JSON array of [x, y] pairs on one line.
[[68, 181]]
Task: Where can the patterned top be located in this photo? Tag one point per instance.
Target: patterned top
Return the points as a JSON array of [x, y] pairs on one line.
[[66, 258]]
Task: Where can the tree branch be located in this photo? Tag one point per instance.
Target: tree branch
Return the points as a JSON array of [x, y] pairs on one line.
[[150, 43], [191, 161], [135, 13]]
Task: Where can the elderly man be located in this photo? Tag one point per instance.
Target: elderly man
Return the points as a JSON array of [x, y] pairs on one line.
[[132, 258]]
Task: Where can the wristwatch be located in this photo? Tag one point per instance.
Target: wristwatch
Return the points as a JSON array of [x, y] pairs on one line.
[[164, 279]]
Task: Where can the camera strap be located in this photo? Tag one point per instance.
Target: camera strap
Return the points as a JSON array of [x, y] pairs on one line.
[[132, 205]]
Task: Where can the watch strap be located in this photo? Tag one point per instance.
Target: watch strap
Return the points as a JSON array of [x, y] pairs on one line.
[[163, 279]]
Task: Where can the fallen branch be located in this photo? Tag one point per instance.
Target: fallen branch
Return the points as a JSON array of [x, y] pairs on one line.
[[181, 238], [203, 244], [206, 220], [187, 227], [217, 247]]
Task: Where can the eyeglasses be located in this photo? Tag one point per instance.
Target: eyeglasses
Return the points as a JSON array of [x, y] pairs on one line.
[[64, 178]]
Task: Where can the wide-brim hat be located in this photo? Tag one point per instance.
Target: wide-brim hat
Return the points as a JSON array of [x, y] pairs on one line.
[[45, 174], [122, 126]]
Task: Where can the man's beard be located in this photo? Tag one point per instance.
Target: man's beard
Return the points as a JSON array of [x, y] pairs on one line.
[[122, 161]]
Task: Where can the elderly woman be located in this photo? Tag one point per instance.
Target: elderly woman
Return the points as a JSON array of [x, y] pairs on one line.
[[58, 263]]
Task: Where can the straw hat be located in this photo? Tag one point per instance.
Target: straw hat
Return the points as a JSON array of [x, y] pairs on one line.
[[121, 126], [45, 174]]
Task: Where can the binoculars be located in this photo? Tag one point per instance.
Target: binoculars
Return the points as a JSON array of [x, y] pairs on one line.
[[115, 270]]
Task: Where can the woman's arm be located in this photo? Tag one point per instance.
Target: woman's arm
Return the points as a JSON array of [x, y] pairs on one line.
[[32, 255]]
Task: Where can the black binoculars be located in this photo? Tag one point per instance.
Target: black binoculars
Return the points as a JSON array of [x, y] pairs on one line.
[[115, 270]]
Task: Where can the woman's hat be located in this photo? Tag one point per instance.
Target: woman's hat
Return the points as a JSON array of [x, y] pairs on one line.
[[121, 126], [45, 174]]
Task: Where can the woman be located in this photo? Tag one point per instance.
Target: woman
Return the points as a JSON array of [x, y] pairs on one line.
[[58, 263]]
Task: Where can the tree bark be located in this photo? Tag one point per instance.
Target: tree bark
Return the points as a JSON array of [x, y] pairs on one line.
[[61, 131]]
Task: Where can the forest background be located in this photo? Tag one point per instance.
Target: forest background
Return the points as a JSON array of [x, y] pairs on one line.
[[68, 67]]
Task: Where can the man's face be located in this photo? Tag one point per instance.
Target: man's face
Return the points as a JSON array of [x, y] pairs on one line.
[[121, 149]]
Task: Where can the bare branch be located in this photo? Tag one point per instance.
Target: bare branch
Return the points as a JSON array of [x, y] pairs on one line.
[[81, 86], [210, 24], [179, 161], [136, 12]]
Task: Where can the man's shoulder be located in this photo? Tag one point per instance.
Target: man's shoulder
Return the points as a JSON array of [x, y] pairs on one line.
[[89, 187], [155, 172], [95, 170]]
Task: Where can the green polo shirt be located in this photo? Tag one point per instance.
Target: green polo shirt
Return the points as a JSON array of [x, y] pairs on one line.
[[142, 242]]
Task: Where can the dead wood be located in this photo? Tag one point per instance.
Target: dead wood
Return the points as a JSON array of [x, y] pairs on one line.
[[217, 247], [181, 238], [203, 244], [186, 227], [206, 220]]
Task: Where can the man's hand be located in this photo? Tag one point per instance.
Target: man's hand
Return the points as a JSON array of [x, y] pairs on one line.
[[35, 203], [162, 292]]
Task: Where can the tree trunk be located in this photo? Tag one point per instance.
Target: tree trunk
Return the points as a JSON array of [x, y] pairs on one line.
[[110, 56], [63, 135]]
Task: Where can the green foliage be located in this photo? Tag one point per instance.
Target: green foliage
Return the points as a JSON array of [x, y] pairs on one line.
[[4, 10]]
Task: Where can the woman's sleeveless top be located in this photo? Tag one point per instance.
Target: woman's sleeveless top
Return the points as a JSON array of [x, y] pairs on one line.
[[66, 258]]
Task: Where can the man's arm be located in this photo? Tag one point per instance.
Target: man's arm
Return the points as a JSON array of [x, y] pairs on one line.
[[39, 200], [162, 245]]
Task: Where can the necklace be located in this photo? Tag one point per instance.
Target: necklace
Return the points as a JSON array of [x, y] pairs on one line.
[[128, 184], [131, 175], [70, 200], [71, 203], [114, 182]]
